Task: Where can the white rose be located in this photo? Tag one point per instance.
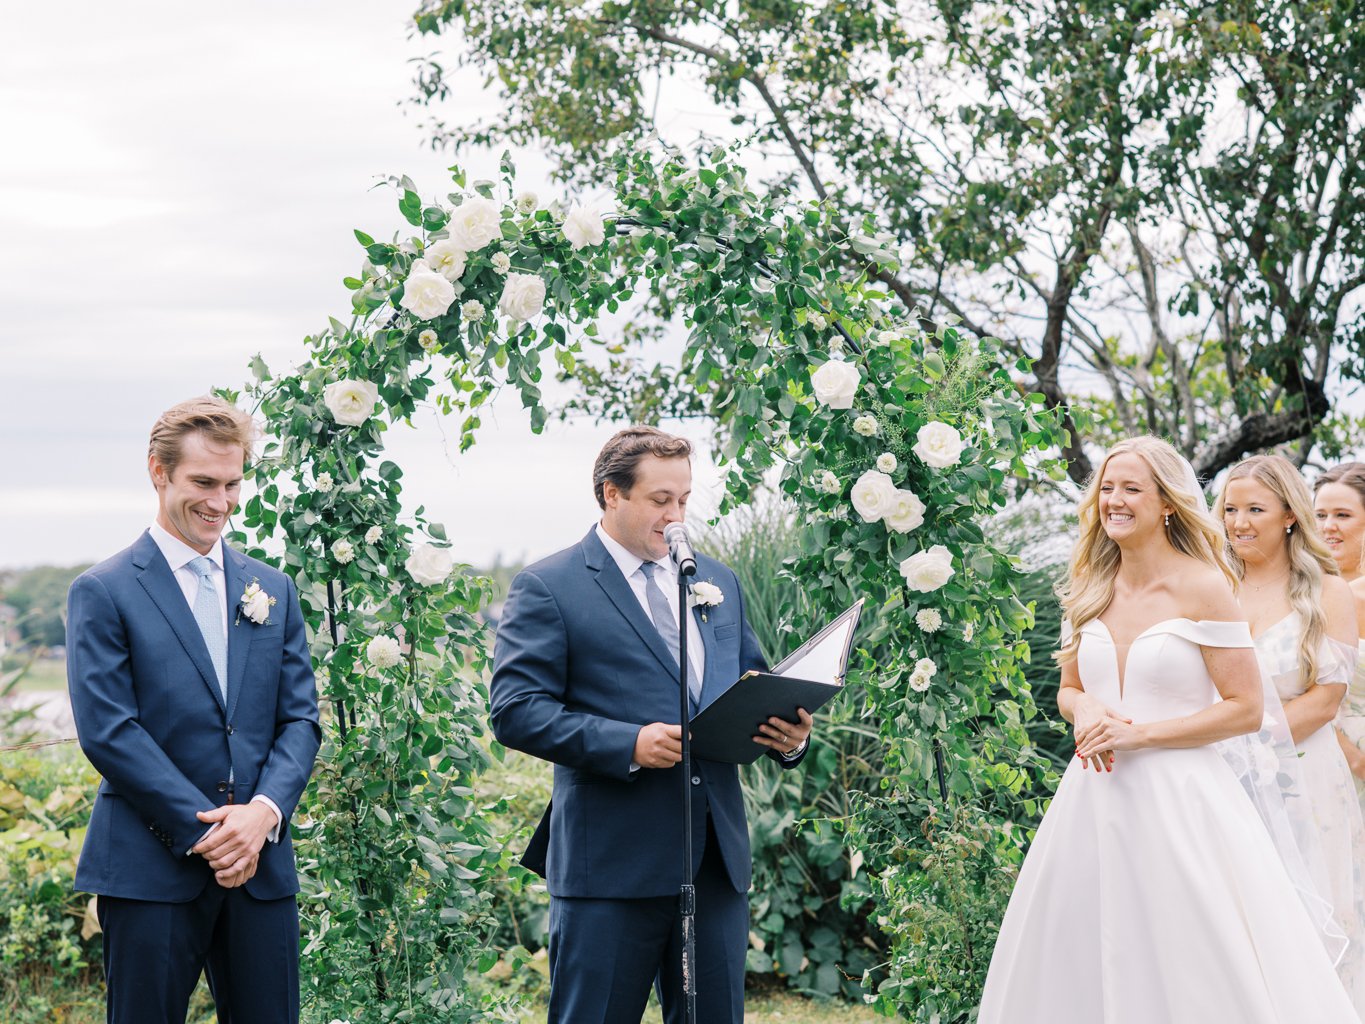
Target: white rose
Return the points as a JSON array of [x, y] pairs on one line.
[[830, 483], [527, 202], [817, 321], [922, 675], [428, 340], [373, 534], [256, 605], [502, 263], [383, 652], [583, 226], [835, 382], [928, 570], [906, 512], [324, 483], [351, 402], [475, 223], [886, 337], [929, 620], [473, 310], [939, 445], [865, 425], [707, 593], [968, 631], [522, 296], [445, 258], [873, 495], [343, 552], [430, 565], [886, 462], [426, 294]]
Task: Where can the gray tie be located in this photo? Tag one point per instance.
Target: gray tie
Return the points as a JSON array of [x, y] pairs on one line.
[[208, 612], [667, 626]]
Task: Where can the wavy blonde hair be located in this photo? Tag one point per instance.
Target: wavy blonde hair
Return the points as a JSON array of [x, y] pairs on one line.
[[1309, 557], [1095, 559]]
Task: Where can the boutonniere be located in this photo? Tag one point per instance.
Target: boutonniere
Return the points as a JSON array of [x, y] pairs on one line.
[[706, 595], [256, 604]]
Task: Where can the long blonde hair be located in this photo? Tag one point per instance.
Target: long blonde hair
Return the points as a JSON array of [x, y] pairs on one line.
[[1095, 559], [1309, 557]]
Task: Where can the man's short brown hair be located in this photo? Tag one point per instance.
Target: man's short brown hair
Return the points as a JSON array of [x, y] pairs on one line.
[[619, 459], [221, 423]]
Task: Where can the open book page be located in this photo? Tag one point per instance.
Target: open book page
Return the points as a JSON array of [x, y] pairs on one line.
[[822, 659]]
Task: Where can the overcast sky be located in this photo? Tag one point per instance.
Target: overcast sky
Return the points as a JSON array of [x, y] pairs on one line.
[[178, 186]]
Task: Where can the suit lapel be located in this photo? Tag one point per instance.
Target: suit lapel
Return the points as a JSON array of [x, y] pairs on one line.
[[159, 582], [241, 631], [708, 642], [609, 578]]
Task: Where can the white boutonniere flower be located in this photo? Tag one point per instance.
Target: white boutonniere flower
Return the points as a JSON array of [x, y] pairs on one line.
[[256, 604], [706, 595]]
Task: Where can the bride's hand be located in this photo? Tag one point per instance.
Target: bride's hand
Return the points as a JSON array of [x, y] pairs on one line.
[[1090, 714], [1111, 733]]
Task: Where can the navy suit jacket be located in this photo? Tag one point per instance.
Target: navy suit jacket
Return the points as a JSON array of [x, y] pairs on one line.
[[153, 722], [578, 668]]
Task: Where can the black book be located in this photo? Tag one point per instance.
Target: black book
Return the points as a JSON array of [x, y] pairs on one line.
[[807, 678]]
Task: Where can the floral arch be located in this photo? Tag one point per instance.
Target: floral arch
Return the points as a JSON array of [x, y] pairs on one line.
[[892, 442]]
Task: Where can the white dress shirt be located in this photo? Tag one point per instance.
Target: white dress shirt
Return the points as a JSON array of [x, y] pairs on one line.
[[666, 576], [178, 556]]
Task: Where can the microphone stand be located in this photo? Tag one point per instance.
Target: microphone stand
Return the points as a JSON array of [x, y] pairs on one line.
[[687, 899]]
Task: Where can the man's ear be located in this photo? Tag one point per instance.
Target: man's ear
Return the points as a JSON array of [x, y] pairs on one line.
[[157, 472]]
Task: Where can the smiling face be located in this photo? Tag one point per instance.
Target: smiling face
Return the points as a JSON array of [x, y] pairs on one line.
[[1255, 518], [1130, 504], [1341, 520], [196, 498], [658, 497]]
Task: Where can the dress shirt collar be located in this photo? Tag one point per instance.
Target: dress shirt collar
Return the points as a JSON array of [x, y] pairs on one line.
[[179, 554], [628, 563]]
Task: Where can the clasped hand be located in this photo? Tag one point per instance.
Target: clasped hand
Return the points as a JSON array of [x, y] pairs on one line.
[[1099, 731], [233, 846]]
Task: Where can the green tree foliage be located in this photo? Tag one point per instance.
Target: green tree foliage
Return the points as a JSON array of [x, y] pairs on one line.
[[39, 597], [1160, 204]]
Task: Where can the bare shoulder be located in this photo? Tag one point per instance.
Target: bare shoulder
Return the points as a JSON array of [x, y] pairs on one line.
[[1205, 593], [1357, 587], [1342, 607]]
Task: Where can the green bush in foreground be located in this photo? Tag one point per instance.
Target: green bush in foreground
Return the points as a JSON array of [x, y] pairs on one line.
[[49, 945]]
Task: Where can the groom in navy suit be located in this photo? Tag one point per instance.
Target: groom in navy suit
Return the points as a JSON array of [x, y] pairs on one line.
[[586, 676], [194, 698]]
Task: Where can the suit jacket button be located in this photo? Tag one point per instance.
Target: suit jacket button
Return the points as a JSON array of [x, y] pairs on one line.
[[696, 780], [229, 728], [222, 787]]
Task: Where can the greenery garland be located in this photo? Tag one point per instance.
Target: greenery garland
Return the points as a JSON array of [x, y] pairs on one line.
[[893, 442]]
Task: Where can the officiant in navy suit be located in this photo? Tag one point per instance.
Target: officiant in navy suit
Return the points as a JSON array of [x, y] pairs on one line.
[[586, 676], [194, 698]]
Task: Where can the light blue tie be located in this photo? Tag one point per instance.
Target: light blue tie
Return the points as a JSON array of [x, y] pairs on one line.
[[208, 612], [667, 626]]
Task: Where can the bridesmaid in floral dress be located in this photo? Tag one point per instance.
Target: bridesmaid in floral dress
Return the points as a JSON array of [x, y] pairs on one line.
[[1303, 621]]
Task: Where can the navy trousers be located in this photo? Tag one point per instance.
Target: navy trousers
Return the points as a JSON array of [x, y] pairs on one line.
[[605, 954], [248, 948]]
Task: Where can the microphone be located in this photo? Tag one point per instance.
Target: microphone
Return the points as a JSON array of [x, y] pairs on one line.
[[680, 549]]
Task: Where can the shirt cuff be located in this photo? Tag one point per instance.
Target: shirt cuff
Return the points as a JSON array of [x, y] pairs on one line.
[[795, 753], [207, 832], [274, 834]]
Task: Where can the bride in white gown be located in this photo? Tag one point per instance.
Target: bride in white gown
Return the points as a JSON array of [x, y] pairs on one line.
[[1152, 891]]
